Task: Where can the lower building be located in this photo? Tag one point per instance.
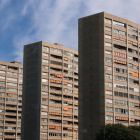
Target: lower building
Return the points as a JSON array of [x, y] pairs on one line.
[[109, 69], [11, 74], [50, 92]]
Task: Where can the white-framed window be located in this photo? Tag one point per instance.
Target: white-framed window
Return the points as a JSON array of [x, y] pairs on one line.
[[119, 32], [2, 72], [11, 79], [45, 61], [45, 54], [45, 74], [120, 102], [109, 109], [109, 101], [107, 20], [108, 68], [108, 52], [109, 118], [124, 87], [45, 48], [108, 29], [45, 80], [116, 23], [44, 113], [2, 77], [108, 36], [44, 106], [107, 76], [44, 86], [56, 50], [108, 92], [109, 60], [108, 84], [45, 93]]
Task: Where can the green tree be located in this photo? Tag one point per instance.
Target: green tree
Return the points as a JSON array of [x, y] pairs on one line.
[[118, 132]]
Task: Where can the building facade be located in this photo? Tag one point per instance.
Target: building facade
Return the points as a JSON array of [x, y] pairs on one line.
[[50, 92], [108, 73], [10, 100]]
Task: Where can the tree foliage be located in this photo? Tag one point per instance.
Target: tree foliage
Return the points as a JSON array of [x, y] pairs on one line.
[[118, 132]]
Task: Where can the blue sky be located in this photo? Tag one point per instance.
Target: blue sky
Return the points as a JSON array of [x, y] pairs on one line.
[[54, 21]]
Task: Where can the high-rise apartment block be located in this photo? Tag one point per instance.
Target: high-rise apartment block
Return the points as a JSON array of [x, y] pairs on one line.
[[10, 100], [50, 92], [108, 73]]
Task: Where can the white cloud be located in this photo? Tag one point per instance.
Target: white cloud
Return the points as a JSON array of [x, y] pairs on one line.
[[57, 21]]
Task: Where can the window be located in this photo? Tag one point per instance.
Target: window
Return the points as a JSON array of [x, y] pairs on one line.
[[11, 79], [133, 29], [120, 86], [109, 109], [119, 102], [2, 88], [108, 21], [45, 48], [108, 84], [45, 74], [107, 76], [44, 120], [134, 97], [109, 118], [116, 23], [11, 100], [118, 70], [2, 83], [120, 62], [109, 101], [75, 68], [68, 53], [133, 89], [132, 104], [45, 61], [2, 72], [121, 111], [11, 84], [120, 54], [44, 113], [119, 32], [11, 89], [120, 78], [2, 77], [45, 67], [44, 127], [44, 86], [108, 92], [132, 51], [108, 44], [118, 39], [108, 68], [108, 37], [43, 134], [45, 80], [44, 100], [108, 60], [132, 36], [45, 54], [121, 94], [108, 52], [132, 112], [108, 29], [56, 50]]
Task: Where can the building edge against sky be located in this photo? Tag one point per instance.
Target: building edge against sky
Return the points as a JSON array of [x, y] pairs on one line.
[[108, 73], [50, 92]]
